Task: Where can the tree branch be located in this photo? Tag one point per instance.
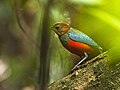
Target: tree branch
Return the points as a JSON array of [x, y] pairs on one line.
[[95, 74]]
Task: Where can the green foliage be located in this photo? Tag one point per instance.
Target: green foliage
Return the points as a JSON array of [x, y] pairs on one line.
[[100, 19]]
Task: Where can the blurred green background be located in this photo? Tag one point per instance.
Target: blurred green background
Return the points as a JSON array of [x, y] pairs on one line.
[[19, 53]]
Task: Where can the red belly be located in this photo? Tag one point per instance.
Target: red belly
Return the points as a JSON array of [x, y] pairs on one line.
[[78, 48]]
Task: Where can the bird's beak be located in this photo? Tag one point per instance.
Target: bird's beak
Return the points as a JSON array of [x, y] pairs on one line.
[[52, 28]]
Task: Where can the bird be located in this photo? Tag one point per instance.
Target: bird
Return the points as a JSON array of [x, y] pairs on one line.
[[76, 42]]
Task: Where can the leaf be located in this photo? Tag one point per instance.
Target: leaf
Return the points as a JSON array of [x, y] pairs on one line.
[[106, 17]]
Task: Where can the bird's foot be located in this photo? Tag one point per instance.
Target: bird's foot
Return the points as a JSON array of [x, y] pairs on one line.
[[76, 67]]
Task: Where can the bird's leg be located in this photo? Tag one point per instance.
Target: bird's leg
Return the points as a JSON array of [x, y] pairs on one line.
[[85, 57]]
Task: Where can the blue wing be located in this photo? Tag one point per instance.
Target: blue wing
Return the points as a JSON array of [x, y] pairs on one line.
[[81, 37]]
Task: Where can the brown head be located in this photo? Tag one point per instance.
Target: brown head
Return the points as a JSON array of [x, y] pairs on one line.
[[61, 28]]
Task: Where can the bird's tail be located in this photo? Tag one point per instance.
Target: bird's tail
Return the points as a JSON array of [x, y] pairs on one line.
[[100, 49]]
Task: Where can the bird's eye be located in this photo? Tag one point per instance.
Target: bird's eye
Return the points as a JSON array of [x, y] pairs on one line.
[[57, 27]]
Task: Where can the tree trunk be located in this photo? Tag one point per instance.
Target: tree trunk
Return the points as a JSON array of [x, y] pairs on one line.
[[95, 74]]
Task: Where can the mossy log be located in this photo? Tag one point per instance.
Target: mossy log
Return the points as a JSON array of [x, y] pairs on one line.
[[95, 74]]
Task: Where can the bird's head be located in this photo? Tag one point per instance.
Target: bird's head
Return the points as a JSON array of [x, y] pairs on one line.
[[61, 28]]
